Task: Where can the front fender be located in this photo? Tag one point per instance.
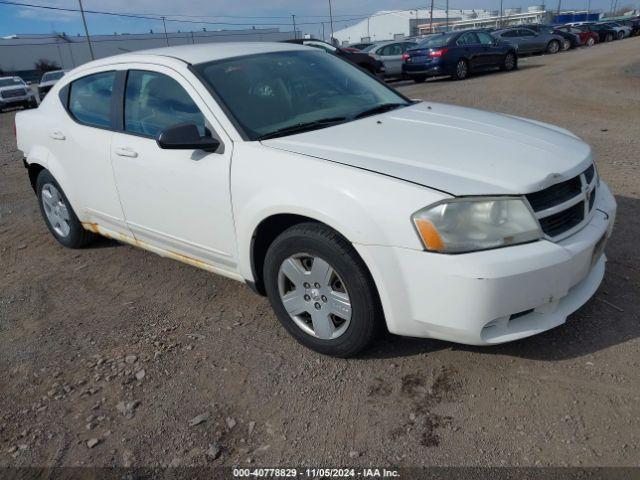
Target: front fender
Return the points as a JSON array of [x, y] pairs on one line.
[[365, 207]]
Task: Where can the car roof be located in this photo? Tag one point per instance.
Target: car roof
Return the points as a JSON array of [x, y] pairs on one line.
[[201, 53]]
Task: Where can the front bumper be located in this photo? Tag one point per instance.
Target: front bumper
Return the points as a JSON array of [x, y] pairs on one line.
[[22, 100], [494, 296]]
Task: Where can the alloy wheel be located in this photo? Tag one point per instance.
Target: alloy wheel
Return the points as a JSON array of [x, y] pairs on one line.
[[56, 210], [590, 42], [314, 296], [509, 62], [461, 69]]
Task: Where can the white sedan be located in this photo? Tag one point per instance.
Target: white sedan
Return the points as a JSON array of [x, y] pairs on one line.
[[352, 207]]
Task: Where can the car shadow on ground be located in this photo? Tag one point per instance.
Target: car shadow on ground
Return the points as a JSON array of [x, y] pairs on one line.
[[609, 318]]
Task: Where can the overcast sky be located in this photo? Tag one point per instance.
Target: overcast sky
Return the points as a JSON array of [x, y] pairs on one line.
[[15, 19]]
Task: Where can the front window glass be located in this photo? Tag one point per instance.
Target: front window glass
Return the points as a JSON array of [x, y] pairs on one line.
[[10, 82], [267, 93], [154, 102], [485, 38], [90, 99]]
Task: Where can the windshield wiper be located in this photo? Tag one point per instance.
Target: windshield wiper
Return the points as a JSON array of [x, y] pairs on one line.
[[303, 127], [385, 107]]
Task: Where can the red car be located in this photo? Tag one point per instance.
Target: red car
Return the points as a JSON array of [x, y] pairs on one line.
[[586, 38]]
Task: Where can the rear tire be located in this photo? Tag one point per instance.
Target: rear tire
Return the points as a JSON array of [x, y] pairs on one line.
[[620, 35], [609, 37], [509, 63], [462, 70], [58, 214], [566, 45], [292, 275], [553, 47], [590, 42]]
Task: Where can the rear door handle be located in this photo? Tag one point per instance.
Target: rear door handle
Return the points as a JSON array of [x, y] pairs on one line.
[[126, 152], [57, 135]]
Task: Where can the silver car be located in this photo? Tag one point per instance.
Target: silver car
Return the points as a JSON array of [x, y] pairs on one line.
[[528, 41], [390, 54]]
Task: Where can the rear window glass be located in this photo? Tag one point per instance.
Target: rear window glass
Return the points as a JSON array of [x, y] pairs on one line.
[[90, 99], [436, 41]]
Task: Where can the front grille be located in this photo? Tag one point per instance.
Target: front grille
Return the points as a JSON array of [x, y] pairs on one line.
[[14, 92], [555, 194], [560, 222], [578, 192]]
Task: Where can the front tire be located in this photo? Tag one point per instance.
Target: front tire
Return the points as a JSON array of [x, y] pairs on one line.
[[321, 290], [566, 45], [620, 35], [590, 42], [553, 47], [58, 214], [609, 37]]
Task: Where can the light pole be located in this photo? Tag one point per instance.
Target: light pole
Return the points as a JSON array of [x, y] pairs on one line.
[[86, 31], [295, 32], [431, 19], [166, 37], [331, 21]]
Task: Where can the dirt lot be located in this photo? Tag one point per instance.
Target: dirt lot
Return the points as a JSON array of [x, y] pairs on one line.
[[124, 348]]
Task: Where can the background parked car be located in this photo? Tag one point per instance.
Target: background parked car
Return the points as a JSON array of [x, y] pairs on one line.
[[569, 40], [370, 64], [390, 54], [633, 23], [622, 31], [585, 37], [458, 54], [528, 41], [605, 34], [48, 80], [14, 92]]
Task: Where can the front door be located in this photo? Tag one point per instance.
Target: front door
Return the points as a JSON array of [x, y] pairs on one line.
[[175, 201]]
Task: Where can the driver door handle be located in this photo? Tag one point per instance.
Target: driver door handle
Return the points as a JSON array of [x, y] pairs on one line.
[[57, 135], [126, 152]]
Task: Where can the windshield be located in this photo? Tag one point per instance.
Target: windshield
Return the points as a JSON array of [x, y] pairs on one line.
[[436, 41], [266, 93], [47, 77], [10, 82]]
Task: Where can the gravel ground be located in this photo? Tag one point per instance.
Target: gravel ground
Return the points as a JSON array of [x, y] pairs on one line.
[[114, 356]]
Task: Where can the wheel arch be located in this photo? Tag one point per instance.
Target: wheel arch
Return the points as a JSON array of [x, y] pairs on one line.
[[268, 230]]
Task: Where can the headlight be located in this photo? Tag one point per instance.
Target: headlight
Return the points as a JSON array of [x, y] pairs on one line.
[[470, 224]]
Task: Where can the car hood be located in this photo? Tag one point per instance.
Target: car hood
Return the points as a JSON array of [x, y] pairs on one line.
[[456, 150]]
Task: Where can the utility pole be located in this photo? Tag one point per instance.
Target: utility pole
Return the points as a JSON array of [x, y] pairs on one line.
[[323, 36], [588, 9], [368, 29], [559, 4], [295, 32], [431, 19], [86, 31], [501, 13], [447, 7], [193, 41], [166, 37], [331, 21]]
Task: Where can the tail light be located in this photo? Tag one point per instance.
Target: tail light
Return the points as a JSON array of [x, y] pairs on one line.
[[438, 53], [405, 57]]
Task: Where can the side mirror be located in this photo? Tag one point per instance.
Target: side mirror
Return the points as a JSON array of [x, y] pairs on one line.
[[185, 136]]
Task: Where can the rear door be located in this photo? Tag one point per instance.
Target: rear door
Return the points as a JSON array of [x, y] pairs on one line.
[[470, 47], [177, 201], [81, 141], [391, 56]]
